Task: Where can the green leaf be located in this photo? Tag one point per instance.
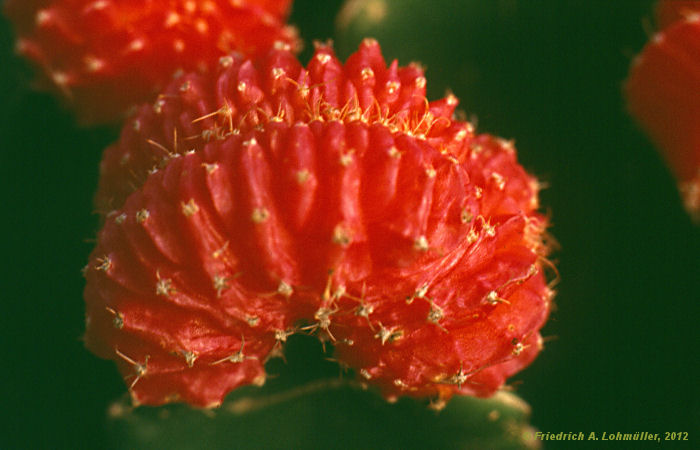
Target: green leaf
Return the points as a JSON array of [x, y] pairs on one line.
[[327, 413]]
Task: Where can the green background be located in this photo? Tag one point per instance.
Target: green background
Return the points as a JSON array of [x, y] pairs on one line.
[[547, 73]]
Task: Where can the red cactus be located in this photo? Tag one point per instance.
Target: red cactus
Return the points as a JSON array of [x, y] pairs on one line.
[[104, 56], [671, 11], [663, 94], [273, 199]]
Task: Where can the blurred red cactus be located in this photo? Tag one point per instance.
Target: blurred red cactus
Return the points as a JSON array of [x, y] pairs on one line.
[[663, 95], [103, 56]]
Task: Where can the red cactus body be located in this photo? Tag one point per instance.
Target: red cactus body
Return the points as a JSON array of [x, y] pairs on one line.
[[272, 199], [671, 11], [104, 56], [663, 94]]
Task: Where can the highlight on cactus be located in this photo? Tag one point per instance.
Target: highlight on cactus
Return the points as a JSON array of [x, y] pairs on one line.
[[668, 12], [663, 94], [102, 57], [270, 199]]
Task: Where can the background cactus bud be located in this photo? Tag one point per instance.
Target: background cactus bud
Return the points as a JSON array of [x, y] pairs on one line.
[[103, 56], [670, 11], [663, 95]]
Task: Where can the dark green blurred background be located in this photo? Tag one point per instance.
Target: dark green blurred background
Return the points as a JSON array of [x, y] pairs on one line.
[[547, 73]]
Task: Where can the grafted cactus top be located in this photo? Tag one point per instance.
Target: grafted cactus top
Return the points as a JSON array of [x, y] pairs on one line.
[[271, 198]]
